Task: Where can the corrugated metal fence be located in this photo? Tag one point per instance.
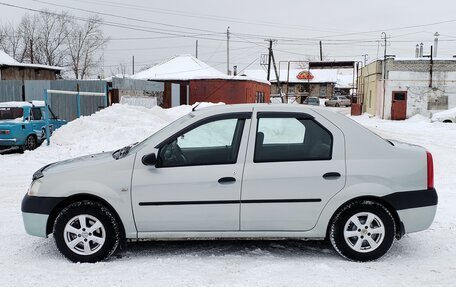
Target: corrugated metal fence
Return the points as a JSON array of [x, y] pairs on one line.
[[64, 106]]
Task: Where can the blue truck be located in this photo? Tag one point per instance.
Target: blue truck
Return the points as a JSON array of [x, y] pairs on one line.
[[22, 124]]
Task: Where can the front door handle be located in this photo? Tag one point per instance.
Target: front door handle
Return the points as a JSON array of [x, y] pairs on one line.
[[224, 180], [331, 175]]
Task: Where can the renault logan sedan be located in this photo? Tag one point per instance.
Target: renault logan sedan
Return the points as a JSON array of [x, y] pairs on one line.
[[241, 171]]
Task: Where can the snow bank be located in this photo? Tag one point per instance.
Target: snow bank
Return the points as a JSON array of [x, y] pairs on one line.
[[108, 129]]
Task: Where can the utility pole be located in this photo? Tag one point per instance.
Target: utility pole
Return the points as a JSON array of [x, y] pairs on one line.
[[431, 68], [133, 66], [31, 51], [228, 51], [384, 74], [269, 60], [271, 57], [196, 49], [321, 51]]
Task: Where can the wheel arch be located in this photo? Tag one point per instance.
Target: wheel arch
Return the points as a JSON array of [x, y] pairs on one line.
[[400, 230], [81, 197]]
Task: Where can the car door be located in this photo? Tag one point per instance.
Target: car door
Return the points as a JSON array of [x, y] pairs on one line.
[[196, 183], [38, 124], [294, 165]]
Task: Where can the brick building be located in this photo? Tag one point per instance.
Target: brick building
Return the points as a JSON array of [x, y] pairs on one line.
[[188, 80], [10, 69], [411, 86]]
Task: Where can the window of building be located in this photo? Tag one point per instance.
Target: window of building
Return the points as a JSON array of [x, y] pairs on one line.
[[259, 97], [291, 139]]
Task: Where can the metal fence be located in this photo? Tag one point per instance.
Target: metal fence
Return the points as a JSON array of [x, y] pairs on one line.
[[64, 106]]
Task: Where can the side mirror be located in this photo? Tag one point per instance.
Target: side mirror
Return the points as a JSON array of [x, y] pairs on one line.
[[149, 159]]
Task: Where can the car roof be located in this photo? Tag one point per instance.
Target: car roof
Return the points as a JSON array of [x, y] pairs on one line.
[[256, 107]]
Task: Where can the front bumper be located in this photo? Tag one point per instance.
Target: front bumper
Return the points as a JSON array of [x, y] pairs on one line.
[[36, 211], [35, 224]]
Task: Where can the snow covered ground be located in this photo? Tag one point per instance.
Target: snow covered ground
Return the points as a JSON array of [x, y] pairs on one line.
[[423, 259]]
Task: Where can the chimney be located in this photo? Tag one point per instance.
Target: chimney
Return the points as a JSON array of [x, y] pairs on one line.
[[421, 50], [417, 51], [235, 70], [436, 42]]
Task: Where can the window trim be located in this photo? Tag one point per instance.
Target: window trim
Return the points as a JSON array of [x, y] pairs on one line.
[[227, 116], [237, 136], [291, 115]]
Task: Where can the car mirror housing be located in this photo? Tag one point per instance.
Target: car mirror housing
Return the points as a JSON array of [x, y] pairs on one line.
[[149, 159]]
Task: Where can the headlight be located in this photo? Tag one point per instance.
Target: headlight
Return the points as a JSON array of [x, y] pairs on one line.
[[34, 187]]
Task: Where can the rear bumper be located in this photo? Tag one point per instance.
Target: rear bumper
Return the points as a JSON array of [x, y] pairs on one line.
[[417, 219], [8, 142], [416, 209]]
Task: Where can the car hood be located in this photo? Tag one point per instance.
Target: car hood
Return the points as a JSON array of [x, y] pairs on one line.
[[75, 163]]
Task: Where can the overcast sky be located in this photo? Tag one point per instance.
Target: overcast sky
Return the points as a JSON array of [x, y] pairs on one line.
[[348, 28]]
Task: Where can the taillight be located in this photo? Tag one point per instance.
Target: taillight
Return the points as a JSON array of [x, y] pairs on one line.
[[430, 171], [4, 132]]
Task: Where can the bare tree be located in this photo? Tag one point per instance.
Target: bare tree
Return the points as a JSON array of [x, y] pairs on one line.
[[120, 70], [55, 39], [85, 43], [54, 30], [11, 41]]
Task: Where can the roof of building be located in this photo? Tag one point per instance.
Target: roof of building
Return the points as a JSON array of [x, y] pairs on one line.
[[6, 60], [342, 78], [186, 68]]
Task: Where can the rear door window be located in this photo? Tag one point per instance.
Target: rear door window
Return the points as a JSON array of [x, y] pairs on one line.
[[291, 139]]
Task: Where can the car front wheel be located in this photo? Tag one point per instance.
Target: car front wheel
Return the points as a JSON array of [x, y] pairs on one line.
[[362, 231], [86, 231]]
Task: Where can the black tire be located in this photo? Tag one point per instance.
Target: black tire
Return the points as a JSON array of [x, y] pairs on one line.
[[31, 143], [93, 210], [342, 218]]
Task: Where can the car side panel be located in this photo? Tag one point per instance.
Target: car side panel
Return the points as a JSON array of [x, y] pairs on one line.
[[105, 178]]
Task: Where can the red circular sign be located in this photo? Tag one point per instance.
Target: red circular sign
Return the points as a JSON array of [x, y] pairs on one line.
[[305, 75]]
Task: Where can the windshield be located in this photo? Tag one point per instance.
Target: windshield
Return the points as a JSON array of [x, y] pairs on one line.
[[8, 113], [177, 122]]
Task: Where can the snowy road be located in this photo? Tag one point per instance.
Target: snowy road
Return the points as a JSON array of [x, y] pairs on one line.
[[423, 259]]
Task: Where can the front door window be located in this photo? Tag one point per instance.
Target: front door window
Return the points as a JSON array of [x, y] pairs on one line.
[[215, 142]]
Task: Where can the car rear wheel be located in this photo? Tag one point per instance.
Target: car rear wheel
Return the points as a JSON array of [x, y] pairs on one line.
[[362, 231], [30, 143], [86, 231]]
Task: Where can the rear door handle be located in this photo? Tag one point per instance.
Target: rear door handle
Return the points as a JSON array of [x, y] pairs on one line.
[[224, 180], [331, 175]]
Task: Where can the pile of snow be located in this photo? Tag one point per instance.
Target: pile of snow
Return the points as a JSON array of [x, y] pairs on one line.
[[418, 118], [109, 129], [449, 115]]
